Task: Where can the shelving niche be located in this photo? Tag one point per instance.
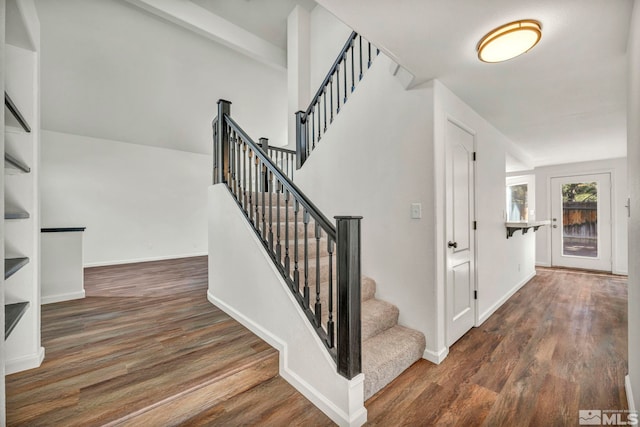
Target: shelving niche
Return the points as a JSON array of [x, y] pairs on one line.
[[21, 287]]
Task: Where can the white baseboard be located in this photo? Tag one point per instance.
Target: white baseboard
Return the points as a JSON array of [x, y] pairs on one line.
[[49, 299], [147, 259], [310, 392], [484, 316], [435, 356], [11, 366], [627, 389], [543, 264]]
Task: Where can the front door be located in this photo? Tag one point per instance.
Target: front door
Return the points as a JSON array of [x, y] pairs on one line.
[[581, 221], [460, 235]]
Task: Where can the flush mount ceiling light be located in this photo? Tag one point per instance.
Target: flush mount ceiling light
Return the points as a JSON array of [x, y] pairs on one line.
[[509, 41]]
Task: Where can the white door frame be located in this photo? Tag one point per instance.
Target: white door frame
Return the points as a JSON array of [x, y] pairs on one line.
[[474, 207]]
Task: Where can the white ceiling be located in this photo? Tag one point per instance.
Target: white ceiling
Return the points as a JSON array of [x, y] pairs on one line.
[[564, 101], [265, 18], [134, 77]]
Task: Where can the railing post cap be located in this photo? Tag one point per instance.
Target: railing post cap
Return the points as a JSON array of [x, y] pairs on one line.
[[263, 138], [223, 101], [347, 217]]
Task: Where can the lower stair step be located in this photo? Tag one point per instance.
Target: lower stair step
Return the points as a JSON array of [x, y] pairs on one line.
[[386, 355], [377, 316]]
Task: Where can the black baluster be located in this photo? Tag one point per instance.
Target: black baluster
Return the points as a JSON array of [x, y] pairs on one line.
[[286, 232], [360, 42], [338, 88], [318, 306], [305, 220], [331, 98], [238, 171], [257, 201], [330, 324], [369, 50], [345, 77], [313, 128], [324, 96], [231, 179], [270, 211], [319, 122], [296, 272], [264, 204], [353, 66], [244, 176], [278, 248], [250, 188]]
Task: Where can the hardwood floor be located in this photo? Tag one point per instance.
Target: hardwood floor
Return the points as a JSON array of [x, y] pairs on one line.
[[557, 346], [146, 348]]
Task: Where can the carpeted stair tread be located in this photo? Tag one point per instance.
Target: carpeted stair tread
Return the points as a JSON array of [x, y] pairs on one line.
[[377, 317], [386, 355]]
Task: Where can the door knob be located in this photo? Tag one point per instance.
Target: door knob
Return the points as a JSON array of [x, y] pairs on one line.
[[452, 244]]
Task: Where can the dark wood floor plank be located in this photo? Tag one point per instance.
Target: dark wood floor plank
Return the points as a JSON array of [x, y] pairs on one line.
[[145, 347], [557, 346]]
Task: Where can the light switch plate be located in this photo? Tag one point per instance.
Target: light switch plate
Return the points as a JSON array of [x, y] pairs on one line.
[[416, 210]]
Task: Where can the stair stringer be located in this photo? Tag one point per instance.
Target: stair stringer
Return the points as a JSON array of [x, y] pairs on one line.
[[245, 284]]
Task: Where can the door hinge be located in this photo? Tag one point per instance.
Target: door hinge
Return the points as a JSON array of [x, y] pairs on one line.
[[475, 294], [475, 225], [474, 156]]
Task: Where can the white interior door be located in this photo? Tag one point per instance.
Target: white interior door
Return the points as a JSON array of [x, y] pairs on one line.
[[460, 235], [581, 221]]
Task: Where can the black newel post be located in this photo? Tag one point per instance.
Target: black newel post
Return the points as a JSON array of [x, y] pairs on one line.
[[264, 144], [221, 151], [349, 299], [301, 139]]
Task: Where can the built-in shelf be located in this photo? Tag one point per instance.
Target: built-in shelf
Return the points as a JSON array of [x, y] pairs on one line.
[[12, 265], [13, 163], [514, 226], [12, 315], [16, 215], [15, 112]]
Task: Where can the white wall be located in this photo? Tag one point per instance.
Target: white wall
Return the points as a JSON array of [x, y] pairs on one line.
[[137, 202], [378, 172], [633, 153], [244, 282], [503, 265], [111, 70], [618, 170], [327, 36]]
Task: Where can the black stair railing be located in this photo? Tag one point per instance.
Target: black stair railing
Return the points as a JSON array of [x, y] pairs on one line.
[[320, 262], [352, 62]]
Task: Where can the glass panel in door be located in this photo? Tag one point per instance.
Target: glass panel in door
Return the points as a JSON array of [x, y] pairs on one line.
[[580, 219]]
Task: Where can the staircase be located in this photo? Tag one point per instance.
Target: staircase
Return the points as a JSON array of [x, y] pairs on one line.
[[387, 348], [318, 261]]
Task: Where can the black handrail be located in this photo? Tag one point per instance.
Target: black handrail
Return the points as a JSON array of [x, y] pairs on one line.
[[297, 237], [312, 123], [283, 150], [284, 180], [332, 70]]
